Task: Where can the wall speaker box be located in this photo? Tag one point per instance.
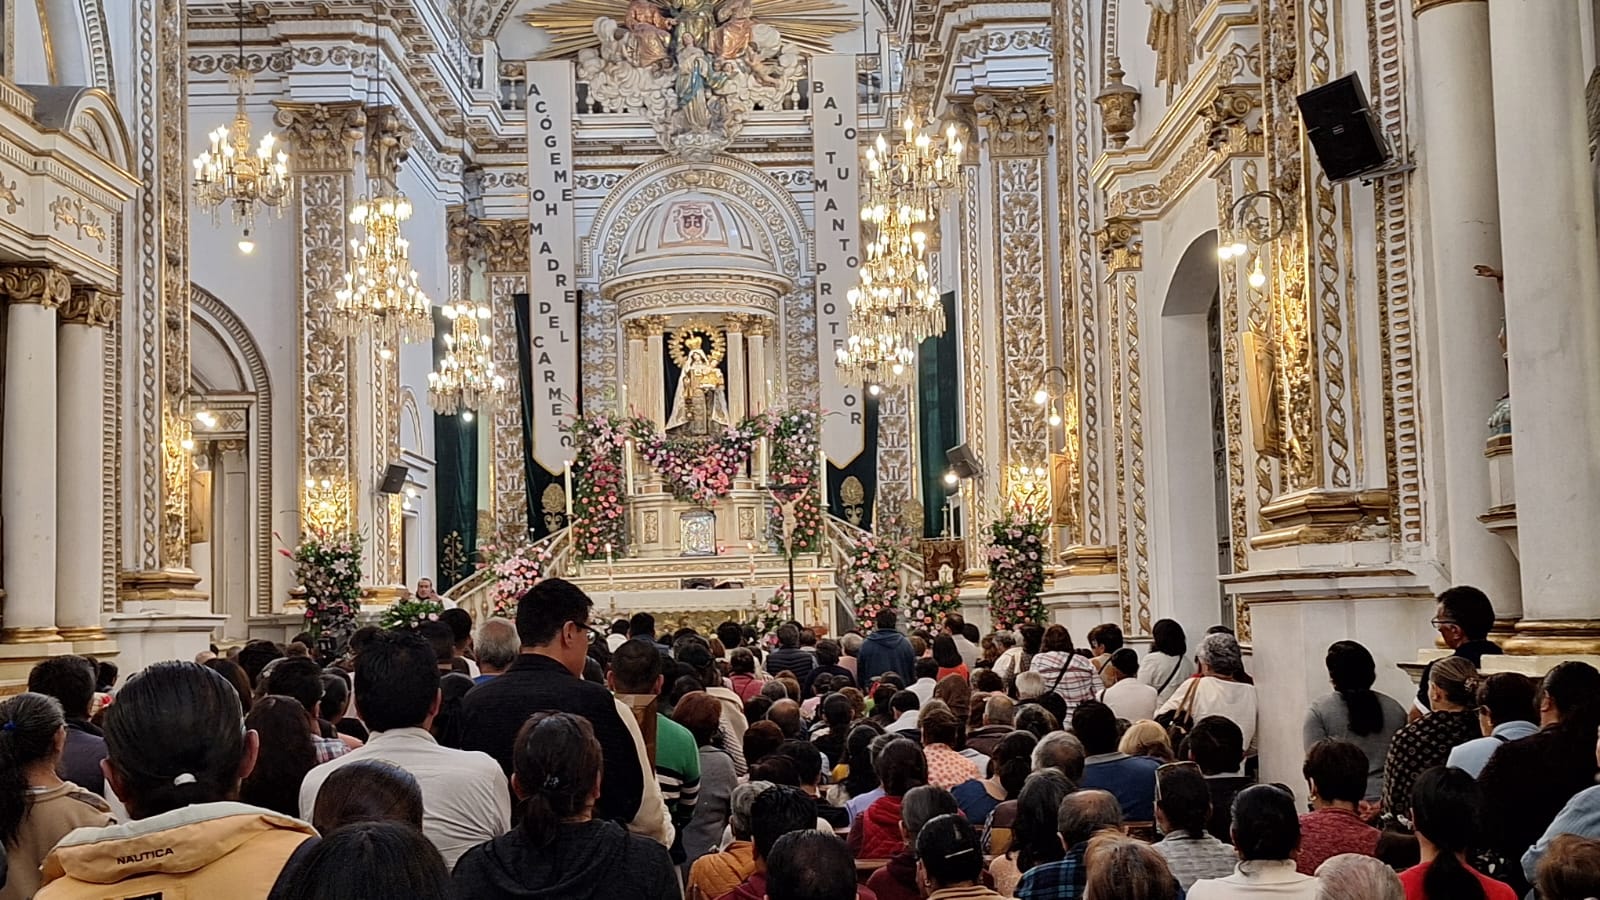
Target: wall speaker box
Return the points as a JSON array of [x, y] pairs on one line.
[[394, 479], [1343, 131], [963, 461]]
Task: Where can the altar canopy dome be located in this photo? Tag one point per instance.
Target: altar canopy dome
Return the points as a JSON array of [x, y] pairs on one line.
[[695, 230]]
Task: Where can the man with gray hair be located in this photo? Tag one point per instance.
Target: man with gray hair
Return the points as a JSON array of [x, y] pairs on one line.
[[496, 646], [1352, 876], [718, 873], [1083, 814], [1062, 751], [998, 715]]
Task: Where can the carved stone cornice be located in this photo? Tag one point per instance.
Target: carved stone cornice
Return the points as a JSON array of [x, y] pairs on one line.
[[46, 286], [1015, 120], [505, 244], [1233, 116], [388, 144], [1121, 246], [634, 330], [322, 136], [1323, 517], [90, 306], [1118, 102]]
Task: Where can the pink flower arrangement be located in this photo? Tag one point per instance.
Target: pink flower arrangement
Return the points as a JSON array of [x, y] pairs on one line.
[[870, 577], [411, 613], [1016, 571], [328, 569], [775, 613], [514, 574], [597, 485], [932, 603]]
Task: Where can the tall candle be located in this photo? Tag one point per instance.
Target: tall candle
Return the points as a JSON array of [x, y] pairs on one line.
[[627, 467], [566, 468], [822, 477]]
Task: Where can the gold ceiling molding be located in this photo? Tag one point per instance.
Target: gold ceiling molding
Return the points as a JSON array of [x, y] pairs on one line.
[[808, 24]]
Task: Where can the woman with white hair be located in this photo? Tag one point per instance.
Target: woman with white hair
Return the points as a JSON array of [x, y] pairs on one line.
[[1223, 688], [1010, 661], [1351, 876]]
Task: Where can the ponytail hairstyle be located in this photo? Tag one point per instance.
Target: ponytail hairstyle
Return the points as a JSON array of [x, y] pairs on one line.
[[1573, 688], [175, 737], [1445, 805], [1352, 671], [1457, 678], [29, 724], [557, 767]]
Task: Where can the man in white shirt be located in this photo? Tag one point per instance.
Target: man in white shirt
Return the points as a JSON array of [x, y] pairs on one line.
[[926, 668], [465, 798], [1131, 699], [425, 591], [955, 626]]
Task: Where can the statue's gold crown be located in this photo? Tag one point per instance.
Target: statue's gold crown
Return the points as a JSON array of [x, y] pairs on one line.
[[693, 342]]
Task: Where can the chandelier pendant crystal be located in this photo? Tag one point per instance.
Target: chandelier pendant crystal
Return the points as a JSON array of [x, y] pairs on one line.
[[381, 291], [238, 172], [466, 379]]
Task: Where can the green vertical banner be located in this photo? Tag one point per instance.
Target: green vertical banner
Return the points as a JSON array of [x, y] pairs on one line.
[[455, 450], [938, 413]]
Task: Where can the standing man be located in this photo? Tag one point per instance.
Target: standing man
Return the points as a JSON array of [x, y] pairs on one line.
[[956, 627], [635, 678], [1463, 618], [553, 626], [885, 650]]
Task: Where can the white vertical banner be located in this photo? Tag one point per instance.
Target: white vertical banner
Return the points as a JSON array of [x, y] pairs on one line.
[[837, 195], [552, 252]]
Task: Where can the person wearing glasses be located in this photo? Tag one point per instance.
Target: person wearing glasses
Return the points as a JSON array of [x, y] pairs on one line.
[[1463, 619]]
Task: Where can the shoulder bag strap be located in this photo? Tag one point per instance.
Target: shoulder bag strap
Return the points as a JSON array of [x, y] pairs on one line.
[[1170, 675]]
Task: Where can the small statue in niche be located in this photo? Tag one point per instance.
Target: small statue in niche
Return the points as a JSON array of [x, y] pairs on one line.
[[701, 403]]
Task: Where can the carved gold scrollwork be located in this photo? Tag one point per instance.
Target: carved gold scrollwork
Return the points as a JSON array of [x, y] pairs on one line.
[[1118, 102], [1015, 120], [322, 136], [506, 244], [8, 196], [90, 306], [388, 145], [1231, 116], [1121, 247], [553, 503], [853, 495], [44, 285]]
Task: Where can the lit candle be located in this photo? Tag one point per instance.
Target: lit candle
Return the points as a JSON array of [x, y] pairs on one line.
[[822, 477], [566, 469], [762, 464], [627, 467]]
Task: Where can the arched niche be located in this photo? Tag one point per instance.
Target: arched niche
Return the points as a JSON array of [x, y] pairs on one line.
[[87, 115]]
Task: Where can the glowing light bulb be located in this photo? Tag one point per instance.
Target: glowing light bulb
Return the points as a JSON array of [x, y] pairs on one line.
[[874, 389], [466, 416], [1040, 397], [247, 246], [952, 478], [1257, 278]]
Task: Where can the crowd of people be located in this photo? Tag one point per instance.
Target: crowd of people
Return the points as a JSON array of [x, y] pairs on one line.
[[544, 758]]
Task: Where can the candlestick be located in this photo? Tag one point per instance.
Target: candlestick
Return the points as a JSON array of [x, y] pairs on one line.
[[627, 466], [566, 469], [822, 478]]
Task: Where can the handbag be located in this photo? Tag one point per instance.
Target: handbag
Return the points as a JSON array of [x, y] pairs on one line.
[[1180, 721]]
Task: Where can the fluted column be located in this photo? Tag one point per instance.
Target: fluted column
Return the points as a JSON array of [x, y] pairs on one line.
[[760, 387], [738, 382], [1453, 79], [79, 456], [1552, 283], [28, 452], [638, 385], [655, 379]]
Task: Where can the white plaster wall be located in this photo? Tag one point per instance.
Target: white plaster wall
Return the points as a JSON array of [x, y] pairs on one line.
[[427, 233], [29, 48]]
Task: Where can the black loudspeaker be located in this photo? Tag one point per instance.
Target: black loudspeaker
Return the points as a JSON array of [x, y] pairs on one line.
[[394, 479], [963, 462], [1342, 129]]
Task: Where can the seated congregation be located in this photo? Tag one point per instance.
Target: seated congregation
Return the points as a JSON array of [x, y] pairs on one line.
[[542, 758]]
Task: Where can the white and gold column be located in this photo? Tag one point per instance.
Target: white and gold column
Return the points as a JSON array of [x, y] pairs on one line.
[[636, 380], [1453, 80], [758, 372], [79, 504], [1552, 280], [28, 452], [654, 346], [738, 377]]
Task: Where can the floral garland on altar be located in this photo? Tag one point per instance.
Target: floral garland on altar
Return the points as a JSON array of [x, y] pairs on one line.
[[795, 439], [598, 525], [1016, 570], [515, 572], [697, 471], [410, 613], [328, 570], [869, 577], [931, 603]]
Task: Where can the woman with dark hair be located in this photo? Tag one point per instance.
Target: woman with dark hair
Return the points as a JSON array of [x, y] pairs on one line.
[[1266, 834], [1011, 763], [560, 849], [1427, 742], [897, 880], [701, 714], [1168, 664], [335, 707], [176, 752], [37, 808], [875, 834], [446, 727], [1065, 672], [948, 658], [859, 777], [1445, 806], [1183, 807], [1124, 868], [1527, 782], [1034, 838], [1354, 712], [882, 704], [287, 754], [368, 859], [1336, 774], [367, 790], [1507, 711], [948, 860], [235, 675], [833, 725]]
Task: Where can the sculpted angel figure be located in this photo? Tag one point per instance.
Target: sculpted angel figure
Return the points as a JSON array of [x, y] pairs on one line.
[[735, 31], [651, 31]]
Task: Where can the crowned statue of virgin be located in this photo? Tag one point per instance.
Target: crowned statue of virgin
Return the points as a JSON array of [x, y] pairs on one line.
[[701, 403]]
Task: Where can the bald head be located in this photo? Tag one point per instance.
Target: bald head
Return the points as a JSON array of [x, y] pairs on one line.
[[786, 715], [999, 710], [1083, 813]]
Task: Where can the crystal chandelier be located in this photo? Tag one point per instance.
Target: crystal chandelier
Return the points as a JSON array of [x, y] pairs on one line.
[[895, 300], [466, 379], [381, 290], [878, 361], [231, 173]]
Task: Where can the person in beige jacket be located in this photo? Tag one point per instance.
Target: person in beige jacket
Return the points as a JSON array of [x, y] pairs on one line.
[[37, 808], [176, 751]]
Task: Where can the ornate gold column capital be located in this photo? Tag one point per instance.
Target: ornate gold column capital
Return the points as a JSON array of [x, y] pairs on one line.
[[1016, 119], [505, 242], [322, 137], [91, 306], [45, 285], [388, 144], [652, 325], [466, 237], [1418, 7], [1229, 117], [738, 322], [634, 330], [1121, 246], [759, 326]]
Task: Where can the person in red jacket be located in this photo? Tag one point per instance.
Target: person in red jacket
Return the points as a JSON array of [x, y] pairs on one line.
[[898, 879], [876, 834]]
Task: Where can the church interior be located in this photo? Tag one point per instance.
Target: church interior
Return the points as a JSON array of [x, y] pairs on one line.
[[1273, 314]]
